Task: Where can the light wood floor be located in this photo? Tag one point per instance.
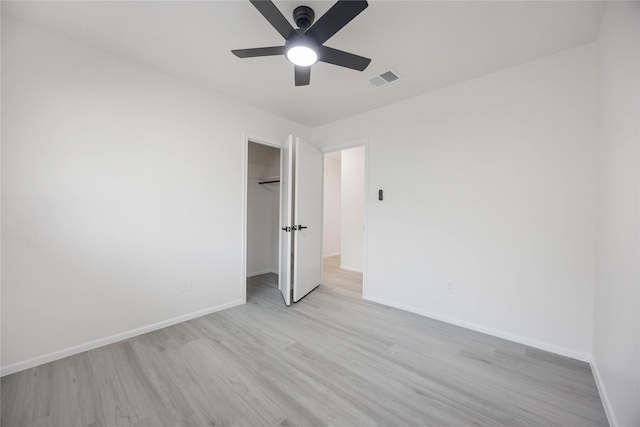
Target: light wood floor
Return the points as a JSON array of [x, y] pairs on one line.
[[332, 359]]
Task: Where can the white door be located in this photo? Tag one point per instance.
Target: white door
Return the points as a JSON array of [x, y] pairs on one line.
[[286, 220], [307, 236]]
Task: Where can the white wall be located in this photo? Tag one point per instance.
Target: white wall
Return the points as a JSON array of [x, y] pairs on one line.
[[616, 347], [490, 184], [331, 215], [352, 208], [118, 182], [263, 204]]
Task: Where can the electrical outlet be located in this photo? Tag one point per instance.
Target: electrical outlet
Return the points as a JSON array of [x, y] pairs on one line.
[[448, 287], [186, 285]]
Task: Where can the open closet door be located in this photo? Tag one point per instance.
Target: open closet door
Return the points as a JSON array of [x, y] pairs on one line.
[[307, 237], [286, 220]]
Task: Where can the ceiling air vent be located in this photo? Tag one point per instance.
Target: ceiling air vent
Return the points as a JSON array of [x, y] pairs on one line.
[[384, 78]]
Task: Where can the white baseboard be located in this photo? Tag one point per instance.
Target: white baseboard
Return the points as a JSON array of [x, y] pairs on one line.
[[584, 357], [348, 268], [608, 410], [261, 272], [40, 360], [330, 255]]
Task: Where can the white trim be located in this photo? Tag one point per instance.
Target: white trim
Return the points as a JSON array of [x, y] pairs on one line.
[[348, 268], [583, 357], [36, 361], [258, 139], [330, 255], [608, 409], [243, 232], [261, 272], [363, 142], [321, 216], [365, 221]]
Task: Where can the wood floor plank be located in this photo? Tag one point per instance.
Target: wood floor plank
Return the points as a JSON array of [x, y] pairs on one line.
[[332, 359]]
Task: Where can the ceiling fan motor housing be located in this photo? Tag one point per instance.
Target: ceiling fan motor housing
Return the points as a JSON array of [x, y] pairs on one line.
[[303, 16], [299, 38]]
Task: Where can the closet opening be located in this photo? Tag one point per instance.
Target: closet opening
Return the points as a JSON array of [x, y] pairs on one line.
[[283, 219], [262, 219]]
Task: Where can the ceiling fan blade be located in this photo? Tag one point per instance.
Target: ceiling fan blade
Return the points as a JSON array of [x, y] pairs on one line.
[[337, 17], [342, 58], [274, 16], [303, 75], [259, 51]]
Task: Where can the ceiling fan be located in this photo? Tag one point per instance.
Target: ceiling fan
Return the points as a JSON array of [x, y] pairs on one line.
[[304, 46]]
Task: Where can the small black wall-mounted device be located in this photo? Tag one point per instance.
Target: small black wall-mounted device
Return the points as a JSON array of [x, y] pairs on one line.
[[379, 194]]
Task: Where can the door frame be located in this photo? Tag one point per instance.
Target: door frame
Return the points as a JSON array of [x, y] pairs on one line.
[[364, 142], [258, 139]]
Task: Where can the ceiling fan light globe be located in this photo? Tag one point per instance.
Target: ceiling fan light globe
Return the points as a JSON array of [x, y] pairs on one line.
[[302, 55]]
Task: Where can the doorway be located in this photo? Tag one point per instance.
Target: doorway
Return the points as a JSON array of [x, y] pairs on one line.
[[344, 218], [296, 201], [263, 216]]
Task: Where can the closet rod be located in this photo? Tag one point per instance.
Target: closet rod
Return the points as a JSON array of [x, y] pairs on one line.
[[269, 182]]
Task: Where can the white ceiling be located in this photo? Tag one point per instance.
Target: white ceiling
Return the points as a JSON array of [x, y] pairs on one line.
[[431, 44]]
